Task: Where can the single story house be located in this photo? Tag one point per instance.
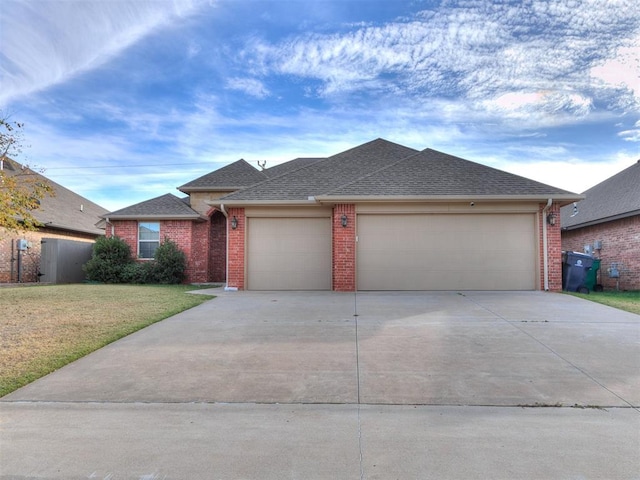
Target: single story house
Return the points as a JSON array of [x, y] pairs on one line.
[[380, 216], [65, 216], [607, 224]]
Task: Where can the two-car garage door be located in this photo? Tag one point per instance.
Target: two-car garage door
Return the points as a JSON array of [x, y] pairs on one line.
[[485, 251], [446, 252]]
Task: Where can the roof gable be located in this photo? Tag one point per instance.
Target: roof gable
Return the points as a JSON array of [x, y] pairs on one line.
[[65, 209], [327, 174], [433, 173], [616, 197], [166, 206], [235, 176]]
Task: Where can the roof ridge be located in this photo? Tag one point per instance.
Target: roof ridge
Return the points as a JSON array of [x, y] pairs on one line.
[[374, 172]]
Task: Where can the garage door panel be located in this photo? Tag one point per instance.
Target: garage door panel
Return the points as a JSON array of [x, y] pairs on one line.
[[289, 253], [446, 252]]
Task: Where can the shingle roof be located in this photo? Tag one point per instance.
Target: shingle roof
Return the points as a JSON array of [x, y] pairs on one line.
[[66, 209], [289, 166], [166, 206], [384, 169], [327, 174], [615, 197], [433, 173], [234, 176]]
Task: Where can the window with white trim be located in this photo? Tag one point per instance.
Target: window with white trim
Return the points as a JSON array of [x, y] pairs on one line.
[[148, 239]]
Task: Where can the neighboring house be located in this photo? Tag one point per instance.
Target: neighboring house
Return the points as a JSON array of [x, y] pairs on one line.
[[607, 224], [380, 216], [65, 215]]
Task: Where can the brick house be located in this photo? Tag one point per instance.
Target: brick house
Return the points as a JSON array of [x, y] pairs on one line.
[[380, 216], [66, 216], [607, 224]]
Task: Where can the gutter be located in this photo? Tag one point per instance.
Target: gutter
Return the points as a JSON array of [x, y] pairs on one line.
[[545, 245]]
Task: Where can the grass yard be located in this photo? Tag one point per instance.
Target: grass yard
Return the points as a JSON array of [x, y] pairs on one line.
[[629, 301], [43, 328]]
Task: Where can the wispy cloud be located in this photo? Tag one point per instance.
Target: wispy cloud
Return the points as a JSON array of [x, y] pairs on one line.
[[250, 86], [527, 60], [46, 42]]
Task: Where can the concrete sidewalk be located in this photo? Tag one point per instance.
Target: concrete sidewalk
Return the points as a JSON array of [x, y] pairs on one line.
[[294, 385]]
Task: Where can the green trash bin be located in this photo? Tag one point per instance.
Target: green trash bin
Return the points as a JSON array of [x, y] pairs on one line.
[[591, 279]]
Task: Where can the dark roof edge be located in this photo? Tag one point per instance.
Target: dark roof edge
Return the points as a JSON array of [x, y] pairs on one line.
[[69, 229], [563, 199], [602, 220], [154, 217]]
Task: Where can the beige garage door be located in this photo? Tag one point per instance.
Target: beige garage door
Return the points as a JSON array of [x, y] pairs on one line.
[[289, 254], [446, 252]]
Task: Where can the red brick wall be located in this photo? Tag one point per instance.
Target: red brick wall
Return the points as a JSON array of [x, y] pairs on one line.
[[344, 248], [30, 259], [191, 237], [235, 274], [218, 248], [620, 244], [554, 248]]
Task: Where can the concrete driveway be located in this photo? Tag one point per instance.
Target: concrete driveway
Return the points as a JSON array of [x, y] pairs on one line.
[[306, 385]]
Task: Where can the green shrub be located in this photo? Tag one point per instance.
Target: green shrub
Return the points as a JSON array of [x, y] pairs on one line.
[[111, 262], [169, 264], [138, 273], [109, 257]]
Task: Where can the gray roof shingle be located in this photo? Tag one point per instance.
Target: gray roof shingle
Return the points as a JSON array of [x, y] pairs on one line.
[[165, 206], [433, 173], [289, 166], [326, 174], [66, 209], [236, 175], [616, 197]]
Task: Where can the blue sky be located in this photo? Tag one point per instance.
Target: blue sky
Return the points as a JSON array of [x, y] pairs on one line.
[[127, 100]]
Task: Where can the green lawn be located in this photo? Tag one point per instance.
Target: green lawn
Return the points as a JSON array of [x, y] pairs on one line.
[[629, 301], [43, 328]]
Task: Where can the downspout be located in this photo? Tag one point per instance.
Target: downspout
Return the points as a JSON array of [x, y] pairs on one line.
[[545, 245], [226, 255]]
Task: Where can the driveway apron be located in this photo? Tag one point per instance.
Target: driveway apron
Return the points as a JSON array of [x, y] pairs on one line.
[[344, 385]]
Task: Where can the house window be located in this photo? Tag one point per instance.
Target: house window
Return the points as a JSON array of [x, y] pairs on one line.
[[148, 239]]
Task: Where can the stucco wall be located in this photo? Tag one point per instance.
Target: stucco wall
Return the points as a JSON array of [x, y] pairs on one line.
[[620, 244]]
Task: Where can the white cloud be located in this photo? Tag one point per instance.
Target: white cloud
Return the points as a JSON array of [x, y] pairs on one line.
[[46, 42], [532, 59], [621, 70], [250, 86]]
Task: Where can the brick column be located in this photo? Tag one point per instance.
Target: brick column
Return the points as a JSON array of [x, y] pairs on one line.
[[344, 248], [554, 249], [235, 272]]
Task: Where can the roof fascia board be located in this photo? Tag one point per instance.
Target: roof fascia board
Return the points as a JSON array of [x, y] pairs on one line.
[[262, 203], [602, 220], [563, 198], [153, 217]]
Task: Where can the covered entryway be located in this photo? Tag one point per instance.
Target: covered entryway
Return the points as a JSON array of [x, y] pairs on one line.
[[446, 251], [289, 253]]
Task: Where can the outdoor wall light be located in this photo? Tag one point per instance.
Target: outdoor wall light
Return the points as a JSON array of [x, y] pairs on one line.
[[234, 223], [551, 219], [344, 220]]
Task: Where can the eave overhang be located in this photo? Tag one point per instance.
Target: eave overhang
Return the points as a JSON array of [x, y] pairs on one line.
[[561, 199], [602, 220], [197, 218]]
